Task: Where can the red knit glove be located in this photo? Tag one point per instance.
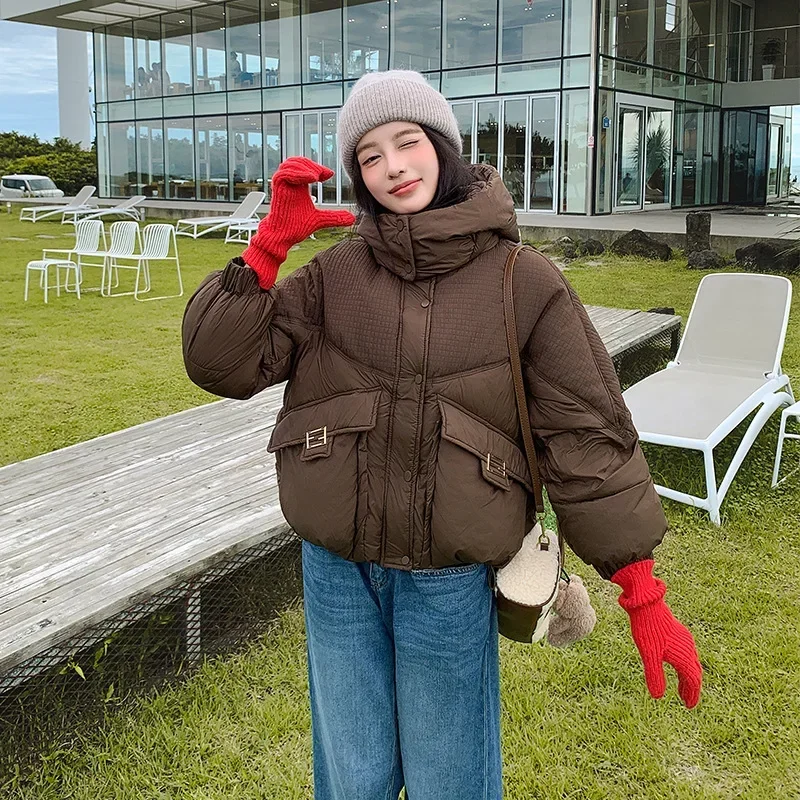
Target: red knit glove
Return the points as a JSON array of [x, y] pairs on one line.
[[292, 217], [657, 634]]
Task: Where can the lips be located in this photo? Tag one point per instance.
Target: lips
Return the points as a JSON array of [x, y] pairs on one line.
[[405, 185]]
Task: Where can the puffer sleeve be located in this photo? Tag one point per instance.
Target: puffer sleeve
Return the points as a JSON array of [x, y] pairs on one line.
[[238, 338], [590, 461]]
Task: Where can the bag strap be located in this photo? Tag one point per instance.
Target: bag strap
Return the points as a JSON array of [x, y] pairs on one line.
[[516, 371]]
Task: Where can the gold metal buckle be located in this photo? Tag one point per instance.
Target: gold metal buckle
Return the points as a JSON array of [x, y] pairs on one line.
[[317, 438], [495, 465]]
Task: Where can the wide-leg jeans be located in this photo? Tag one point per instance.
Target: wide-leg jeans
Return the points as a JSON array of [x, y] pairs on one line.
[[404, 680]]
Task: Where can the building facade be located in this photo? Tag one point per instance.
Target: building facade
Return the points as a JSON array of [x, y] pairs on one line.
[[584, 106]]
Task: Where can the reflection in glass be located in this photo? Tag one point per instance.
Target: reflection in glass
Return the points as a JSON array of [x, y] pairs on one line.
[[119, 61], [515, 112], [574, 150], [243, 44], [543, 142], [281, 42], [487, 139], [151, 158], [463, 114], [530, 30], [272, 145], [179, 155], [322, 41], [688, 176], [658, 156], [329, 155], [246, 154], [122, 159], [629, 143], [311, 144], [147, 33], [577, 27], [100, 81], [212, 157], [470, 32], [466, 82], [530, 77], [176, 76], [667, 52], [103, 172], [366, 32], [208, 24], [416, 33], [699, 56]]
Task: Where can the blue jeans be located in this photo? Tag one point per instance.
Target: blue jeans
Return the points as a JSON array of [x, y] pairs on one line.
[[404, 680]]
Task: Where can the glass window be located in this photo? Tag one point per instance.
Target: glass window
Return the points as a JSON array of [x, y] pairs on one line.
[[329, 152], [624, 29], [281, 42], [658, 156], [574, 150], [103, 176], [530, 30], [528, 77], [543, 131], [122, 159], [180, 106], [463, 115], [322, 40], [366, 35], [211, 103], [416, 35], [176, 76], [211, 150], [247, 101], [150, 109], [100, 83], [179, 155], [486, 138], [210, 60], [281, 97], [272, 144], [699, 56], [119, 111], [576, 72], [605, 152], [464, 82], [317, 95], [514, 126], [247, 154], [119, 61], [151, 158], [689, 173], [577, 27], [147, 35], [243, 44], [470, 32], [294, 144], [667, 52], [668, 84]]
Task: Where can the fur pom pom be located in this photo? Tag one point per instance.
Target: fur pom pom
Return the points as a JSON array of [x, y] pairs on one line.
[[574, 616]]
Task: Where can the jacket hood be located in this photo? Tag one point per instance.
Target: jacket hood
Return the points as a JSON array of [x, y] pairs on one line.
[[430, 243]]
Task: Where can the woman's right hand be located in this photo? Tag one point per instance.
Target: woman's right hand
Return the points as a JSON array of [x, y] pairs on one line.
[[292, 217]]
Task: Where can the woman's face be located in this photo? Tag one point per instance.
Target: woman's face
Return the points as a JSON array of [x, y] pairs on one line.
[[399, 166]]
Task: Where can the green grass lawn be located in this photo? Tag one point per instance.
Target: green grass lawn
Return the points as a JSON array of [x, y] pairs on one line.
[[576, 723]]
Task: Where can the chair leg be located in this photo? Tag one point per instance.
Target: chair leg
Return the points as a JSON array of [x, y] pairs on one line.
[[27, 281], [779, 451], [46, 276], [711, 486], [77, 283]]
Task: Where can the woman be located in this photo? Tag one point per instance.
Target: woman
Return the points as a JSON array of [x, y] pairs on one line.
[[398, 446]]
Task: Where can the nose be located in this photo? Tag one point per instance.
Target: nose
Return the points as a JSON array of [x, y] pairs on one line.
[[395, 165]]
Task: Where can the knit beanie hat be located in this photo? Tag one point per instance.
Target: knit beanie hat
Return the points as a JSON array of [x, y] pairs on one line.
[[397, 95]]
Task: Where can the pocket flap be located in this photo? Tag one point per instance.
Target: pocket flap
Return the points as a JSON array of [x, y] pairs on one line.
[[497, 451], [343, 413]]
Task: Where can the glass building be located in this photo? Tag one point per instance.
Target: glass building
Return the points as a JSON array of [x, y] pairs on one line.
[[584, 106]]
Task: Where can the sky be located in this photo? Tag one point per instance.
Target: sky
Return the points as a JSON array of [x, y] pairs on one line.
[[29, 89]]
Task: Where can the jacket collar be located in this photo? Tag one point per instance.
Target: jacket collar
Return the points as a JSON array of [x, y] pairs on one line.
[[430, 243]]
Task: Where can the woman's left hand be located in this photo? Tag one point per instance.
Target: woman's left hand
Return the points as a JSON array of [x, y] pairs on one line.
[[659, 637]]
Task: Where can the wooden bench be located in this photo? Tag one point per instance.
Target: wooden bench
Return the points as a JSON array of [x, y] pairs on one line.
[[96, 530]]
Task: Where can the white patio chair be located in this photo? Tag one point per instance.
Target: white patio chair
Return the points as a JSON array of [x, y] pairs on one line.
[[90, 243], [42, 266], [246, 210], [126, 240], [78, 203], [728, 366], [159, 242], [126, 208]]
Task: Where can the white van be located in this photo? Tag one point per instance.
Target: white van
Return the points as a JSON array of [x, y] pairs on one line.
[[28, 186]]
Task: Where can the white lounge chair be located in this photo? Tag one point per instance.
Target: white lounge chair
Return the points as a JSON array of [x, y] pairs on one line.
[[159, 240], [126, 208], [728, 366], [78, 203], [246, 210]]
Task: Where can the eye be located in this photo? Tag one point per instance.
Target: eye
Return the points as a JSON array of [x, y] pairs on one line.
[[367, 161], [409, 143]]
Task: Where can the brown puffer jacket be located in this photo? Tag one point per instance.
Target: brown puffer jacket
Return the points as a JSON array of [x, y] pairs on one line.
[[398, 441]]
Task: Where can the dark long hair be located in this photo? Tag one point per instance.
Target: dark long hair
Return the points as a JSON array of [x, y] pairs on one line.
[[455, 179]]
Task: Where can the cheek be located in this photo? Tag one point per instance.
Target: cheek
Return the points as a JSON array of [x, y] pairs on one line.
[[371, 181]]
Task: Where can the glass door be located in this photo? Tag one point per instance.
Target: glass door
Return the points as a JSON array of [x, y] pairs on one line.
[[775, 159], [313, 134], [658, 157], [630, 147]]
